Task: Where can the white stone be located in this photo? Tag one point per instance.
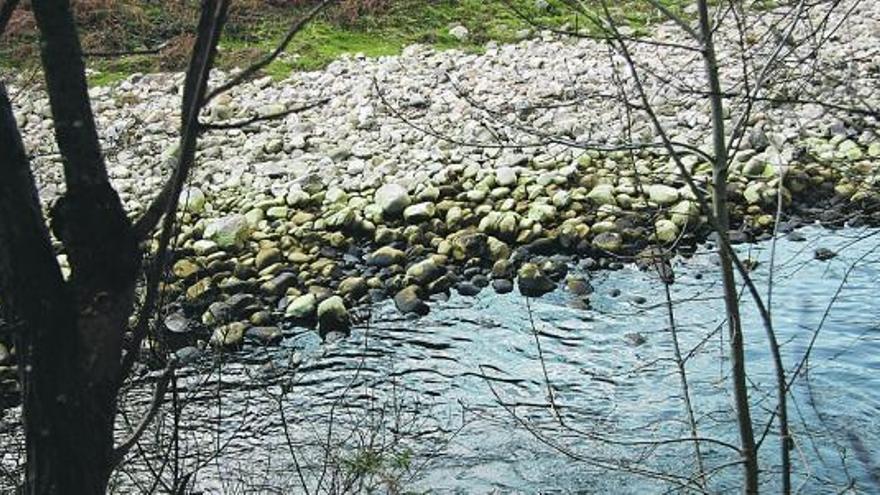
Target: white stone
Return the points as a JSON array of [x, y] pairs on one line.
[[459, 32], [505, 176], [392, 199]]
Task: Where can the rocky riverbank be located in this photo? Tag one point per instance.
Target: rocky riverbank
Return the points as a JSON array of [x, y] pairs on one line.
[[433, 171]]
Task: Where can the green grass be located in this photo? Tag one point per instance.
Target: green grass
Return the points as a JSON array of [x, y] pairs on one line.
[[387, 33], [383, 33], [114, 70], [429, 21]]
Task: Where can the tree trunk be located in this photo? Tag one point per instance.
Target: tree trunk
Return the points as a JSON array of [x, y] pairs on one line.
[[731, 301], [71, 339]]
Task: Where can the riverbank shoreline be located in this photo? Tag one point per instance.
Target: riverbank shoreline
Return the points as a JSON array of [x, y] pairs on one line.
[[401, 187]]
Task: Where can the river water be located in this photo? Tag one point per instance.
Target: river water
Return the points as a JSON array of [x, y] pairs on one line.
[[458, 401]]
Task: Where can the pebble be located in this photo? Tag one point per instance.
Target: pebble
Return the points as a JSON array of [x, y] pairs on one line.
[[468, 289], [824, 254], [407, 301]]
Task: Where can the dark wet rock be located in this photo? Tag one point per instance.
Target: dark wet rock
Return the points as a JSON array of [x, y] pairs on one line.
[[261, 318], [555, 268], [228, 310], [279, 284], [467, 289], [353, 287], [533, 282], [407, 300], [502, 269], [328, 252], [230, 335], [542, 247], [267, 257], [635, 339], [267, 335], [471, 272], [442, 284], [520, 255], [469, 245], [579, 286], [502, 285], [217, 267], [824, 254], [395, 283], [244, 272], [333, 316], [386, 256], [187, 355], [376, 295], [480, 280], [424, 272], [738, 237]]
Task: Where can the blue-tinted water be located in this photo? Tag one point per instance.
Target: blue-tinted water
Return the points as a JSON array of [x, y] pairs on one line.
[[458, 402]]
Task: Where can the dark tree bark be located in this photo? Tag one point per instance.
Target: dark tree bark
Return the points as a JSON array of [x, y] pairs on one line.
[[71, 340], [71, 355], [36, 295]]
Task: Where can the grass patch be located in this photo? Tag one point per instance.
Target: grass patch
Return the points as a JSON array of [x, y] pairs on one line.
[[255, 29]]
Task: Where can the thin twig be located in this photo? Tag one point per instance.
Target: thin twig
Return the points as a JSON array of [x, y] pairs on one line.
[[262, 118], [279, 49], [123, 448]]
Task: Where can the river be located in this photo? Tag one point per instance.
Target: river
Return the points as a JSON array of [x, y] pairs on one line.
[[457, 401]]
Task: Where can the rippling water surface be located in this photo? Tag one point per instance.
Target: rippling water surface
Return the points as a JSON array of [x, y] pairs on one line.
[[461, 394], [460, 402]]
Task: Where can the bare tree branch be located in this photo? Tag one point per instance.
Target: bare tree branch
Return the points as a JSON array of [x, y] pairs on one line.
[[262, 118], [125, 446], [678, 20], [288, 37], [72, 114], [210, 27], [23, 233], [577, 34], [151, 216]]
